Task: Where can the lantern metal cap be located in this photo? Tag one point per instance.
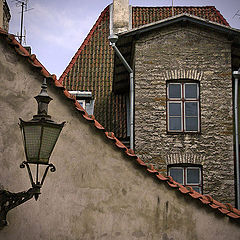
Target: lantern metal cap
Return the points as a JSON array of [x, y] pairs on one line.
[[43, 100]]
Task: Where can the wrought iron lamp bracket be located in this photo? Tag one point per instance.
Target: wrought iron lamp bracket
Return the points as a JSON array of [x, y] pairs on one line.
[[9, 200]]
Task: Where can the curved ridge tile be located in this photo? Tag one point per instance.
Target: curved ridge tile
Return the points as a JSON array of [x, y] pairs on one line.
[[69, 95], [161, 177], [223, 210], [141, 162], [88, 117], [195, 194], [183, 189], [233, 215], [120, 144], [130, 153], [98, 125]]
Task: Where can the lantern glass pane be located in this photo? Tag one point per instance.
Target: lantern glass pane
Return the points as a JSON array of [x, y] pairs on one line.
[[32, 141], [49, 139]]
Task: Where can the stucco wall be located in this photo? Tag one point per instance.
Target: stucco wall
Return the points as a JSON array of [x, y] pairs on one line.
[[187, 52], [96, 192]]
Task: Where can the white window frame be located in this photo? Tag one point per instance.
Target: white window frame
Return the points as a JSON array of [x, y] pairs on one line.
[[185, 168], [183, 100], [82, 103], [180, 130], [198, 116]]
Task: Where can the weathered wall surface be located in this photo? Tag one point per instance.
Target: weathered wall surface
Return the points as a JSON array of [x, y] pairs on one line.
[[187, 52], [96, 192]]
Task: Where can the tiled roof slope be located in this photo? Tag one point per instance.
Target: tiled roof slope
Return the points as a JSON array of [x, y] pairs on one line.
[[145, 15], [204, 200], [91, 69]]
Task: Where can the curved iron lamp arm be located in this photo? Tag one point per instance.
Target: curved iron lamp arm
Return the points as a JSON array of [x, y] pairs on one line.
[[9, 200]]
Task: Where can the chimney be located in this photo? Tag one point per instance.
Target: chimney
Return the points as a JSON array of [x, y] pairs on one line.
[[120, 16], [4, 15]]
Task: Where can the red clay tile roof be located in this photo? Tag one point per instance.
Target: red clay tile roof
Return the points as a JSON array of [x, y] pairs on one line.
[[205, 200], [91, 68]]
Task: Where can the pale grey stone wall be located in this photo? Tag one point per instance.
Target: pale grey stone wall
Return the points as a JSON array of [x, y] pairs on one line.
[[185, 52]]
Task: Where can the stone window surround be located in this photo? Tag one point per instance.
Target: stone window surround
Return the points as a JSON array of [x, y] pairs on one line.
[[180, 74]]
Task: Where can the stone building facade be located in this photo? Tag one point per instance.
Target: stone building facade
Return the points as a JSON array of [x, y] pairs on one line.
[[186, 53]]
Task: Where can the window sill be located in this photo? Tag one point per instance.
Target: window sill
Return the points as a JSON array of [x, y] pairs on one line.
[[184, 133]]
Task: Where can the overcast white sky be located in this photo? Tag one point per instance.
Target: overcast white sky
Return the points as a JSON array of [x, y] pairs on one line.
[[56, 28]]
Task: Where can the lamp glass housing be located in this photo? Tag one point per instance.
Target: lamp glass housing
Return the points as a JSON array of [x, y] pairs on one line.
[[39, 137]]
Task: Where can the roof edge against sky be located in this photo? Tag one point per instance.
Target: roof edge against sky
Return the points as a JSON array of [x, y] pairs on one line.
[[180, 18], [85, 42], [205, 200]]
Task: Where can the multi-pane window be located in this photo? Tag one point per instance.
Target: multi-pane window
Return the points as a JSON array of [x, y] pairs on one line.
[[183, 107], [187, 176]]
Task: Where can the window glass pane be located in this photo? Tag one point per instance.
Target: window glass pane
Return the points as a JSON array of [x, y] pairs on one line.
[[193, 176], [175, 123], [191, 90], [174, 90], [191, 109], [177, 174], [175, 109], [191, 123], [197, 189]]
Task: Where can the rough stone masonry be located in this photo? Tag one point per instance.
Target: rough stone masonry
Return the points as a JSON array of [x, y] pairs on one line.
[[187, 52]]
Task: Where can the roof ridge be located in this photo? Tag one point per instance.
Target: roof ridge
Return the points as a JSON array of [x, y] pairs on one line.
[[174, 6], [85, 42], [225, 209], [221, 17], [32, 59]]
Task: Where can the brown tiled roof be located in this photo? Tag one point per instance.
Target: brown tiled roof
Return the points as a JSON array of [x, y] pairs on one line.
[[204, 200], [145, 15], [91, 68]]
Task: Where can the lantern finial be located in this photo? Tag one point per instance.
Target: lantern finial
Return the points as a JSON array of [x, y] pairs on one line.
[[43, 100]]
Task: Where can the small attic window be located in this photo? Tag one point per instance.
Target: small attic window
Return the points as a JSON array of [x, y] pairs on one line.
[[85, 99]]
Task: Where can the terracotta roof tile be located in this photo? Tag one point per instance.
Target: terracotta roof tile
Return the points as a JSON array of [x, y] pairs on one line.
[[145, 15], [91, 68], [226, 210]]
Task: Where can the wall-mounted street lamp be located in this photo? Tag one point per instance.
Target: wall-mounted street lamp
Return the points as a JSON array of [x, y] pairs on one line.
[[39, 137]]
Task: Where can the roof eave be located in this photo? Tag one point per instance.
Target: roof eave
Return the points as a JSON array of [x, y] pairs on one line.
[[181, 18]]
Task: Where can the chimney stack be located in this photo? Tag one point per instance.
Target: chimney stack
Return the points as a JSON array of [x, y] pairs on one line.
[[120, 16]]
